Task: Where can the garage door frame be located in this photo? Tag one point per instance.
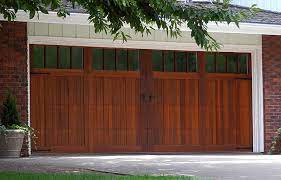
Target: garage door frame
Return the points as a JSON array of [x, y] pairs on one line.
[[255, 50]]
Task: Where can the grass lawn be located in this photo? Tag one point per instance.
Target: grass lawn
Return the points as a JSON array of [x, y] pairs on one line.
[[82, 176]]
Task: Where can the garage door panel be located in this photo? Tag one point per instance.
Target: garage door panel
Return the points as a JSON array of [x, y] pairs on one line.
[[191, 112], [175, 111], [38, 110], [116, 110], [244, 138], [210, 114], [76, 111]]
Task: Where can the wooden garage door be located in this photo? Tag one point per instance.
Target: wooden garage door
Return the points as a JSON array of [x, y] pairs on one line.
[[128, 100], [198, 101]]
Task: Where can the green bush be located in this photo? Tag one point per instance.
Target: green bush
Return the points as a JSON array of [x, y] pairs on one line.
[[276, 143], [9, 115]]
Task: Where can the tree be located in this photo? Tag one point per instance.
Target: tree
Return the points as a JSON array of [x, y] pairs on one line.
[[141, 15]]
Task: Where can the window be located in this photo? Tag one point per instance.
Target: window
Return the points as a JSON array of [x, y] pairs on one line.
[[133, 60], [157, 60], [243, 64], [210, 63], [97, 58], [169, 61], [64, 55], [121, 60], [192, 62], [109, 59], [174, 61], [181, 62], [115, 59], [77, 58], [227, 63], [38, 57], [57, 57], [51, 57], [221, 63], [232, 64]]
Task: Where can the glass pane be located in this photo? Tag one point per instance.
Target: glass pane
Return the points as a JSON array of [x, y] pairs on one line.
[[51, 57], [232, 63], [133, 58], [192, 62], [64, 55], [221, 63], [97, 58], [169, 61], [181, 63], [109, 59], [243, 63], [157, 60], [121, 58], [38, 57], [210, 63], [77, 58]]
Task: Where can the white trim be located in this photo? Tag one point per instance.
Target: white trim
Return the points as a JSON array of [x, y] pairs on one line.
[[257, 100], [255, 50], [28, 97], [82, 19], [47, 40]]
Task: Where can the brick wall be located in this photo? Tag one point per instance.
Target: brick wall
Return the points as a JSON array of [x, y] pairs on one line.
[[13, 64], [272, 86]]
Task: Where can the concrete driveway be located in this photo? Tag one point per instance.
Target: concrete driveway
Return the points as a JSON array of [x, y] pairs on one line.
[[216, 166]]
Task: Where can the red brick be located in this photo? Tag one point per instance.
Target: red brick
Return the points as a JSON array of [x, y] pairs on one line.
[[13, 65], [272, 86]]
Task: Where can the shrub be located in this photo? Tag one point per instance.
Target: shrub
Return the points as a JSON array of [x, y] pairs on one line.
[[276, 143], [9, 115]]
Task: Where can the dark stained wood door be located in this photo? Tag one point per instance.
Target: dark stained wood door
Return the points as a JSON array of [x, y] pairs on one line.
[[108, 106], [113, 113], [57, 112], [198, 111], [174, 124]]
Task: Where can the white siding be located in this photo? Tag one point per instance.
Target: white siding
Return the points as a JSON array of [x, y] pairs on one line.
[[273, 5], [87, 32]]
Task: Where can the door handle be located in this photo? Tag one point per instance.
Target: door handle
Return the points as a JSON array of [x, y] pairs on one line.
[[147, 98], [151, 97], [144, 97]]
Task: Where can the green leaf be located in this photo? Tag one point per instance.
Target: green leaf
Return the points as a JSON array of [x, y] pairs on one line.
[[43, 10], [31, 14]]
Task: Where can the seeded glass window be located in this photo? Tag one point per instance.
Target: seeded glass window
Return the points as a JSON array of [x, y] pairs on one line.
[[174, 61], [38, 57], [227, 63], [169, 61], [77, 58], [57, 57], [232, 64], [192, 61], [181, 61], [133, 59], [51, 57], [115, 59], [221, 63], [243, 63], [109, 59], [210, 62], [64, 57], [157, 60], [97, 58], [121, 59]]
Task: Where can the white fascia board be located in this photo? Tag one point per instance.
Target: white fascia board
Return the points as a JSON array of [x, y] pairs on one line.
[[82, 19]]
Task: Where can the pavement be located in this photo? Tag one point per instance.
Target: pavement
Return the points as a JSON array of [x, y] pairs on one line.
[[214, 166]]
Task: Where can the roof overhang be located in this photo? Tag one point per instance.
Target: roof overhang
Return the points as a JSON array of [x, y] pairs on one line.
[[82, 19]]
